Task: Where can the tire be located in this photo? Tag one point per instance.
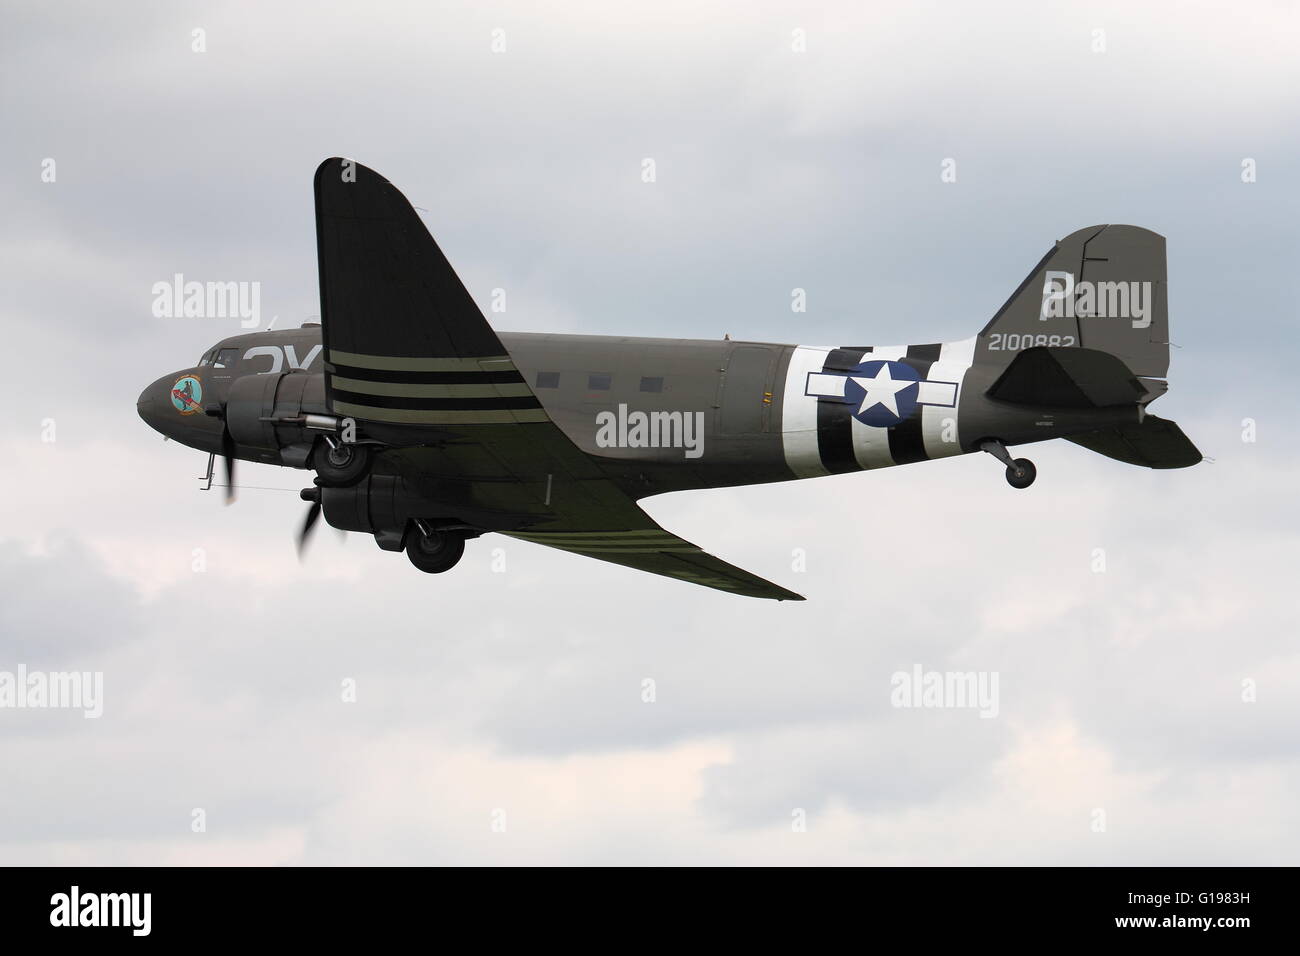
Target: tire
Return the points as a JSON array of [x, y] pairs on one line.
[[436, 553], [1021, 473], [341, 466]]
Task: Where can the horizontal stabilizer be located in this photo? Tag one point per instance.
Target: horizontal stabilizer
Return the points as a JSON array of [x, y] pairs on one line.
[[1062, 377], [1154, 443]]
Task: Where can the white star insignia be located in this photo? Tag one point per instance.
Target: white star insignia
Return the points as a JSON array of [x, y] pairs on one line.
[[881, 390]]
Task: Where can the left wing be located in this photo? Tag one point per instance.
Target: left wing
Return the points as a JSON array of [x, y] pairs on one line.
[[404, 342], [407, 348]]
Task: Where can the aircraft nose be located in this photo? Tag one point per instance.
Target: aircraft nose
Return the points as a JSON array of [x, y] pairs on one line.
[[150, 405], [173, 406], [144, 406]]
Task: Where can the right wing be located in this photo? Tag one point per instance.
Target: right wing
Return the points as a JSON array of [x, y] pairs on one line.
[[648, 547]]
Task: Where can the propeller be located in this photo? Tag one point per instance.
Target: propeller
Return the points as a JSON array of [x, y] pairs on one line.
[[227, 448], [228, 456], [313, 515]]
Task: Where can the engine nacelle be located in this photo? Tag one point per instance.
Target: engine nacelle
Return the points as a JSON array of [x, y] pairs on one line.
[[386, 506], [277, 416], [377, 503], [382, 505]]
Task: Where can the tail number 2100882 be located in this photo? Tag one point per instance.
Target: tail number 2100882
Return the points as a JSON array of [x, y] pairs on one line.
[[1014, 341]]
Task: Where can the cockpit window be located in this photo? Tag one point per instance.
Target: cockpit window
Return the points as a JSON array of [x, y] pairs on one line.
[[207, 357], [226, 358]]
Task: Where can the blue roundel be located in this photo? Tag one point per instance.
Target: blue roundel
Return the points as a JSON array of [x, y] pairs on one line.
[[881, 393]]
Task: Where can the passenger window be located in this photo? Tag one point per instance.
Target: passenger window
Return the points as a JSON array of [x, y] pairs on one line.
[[599, 381], [548, 379], [226, 358], [652, 383]]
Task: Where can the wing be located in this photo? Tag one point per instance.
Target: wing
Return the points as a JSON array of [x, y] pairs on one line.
[[404, 341], [648, 547], [407, 349]]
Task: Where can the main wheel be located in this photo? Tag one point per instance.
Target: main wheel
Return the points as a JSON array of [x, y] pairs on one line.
[[341, 465], [436, 552], [1021, 473]]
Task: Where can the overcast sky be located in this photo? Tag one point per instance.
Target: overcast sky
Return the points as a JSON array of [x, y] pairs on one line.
[[516, 695]]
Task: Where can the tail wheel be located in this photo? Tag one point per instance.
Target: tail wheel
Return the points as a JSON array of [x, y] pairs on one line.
[[340, 465], [435, 552], [1021, 473]]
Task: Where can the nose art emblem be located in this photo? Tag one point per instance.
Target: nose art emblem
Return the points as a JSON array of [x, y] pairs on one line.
[[187, 395]]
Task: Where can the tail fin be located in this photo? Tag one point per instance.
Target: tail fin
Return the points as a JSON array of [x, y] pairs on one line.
[[1089, 329], [1102, 288]]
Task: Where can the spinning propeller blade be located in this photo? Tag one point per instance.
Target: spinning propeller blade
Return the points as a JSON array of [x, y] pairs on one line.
[[313, 515]]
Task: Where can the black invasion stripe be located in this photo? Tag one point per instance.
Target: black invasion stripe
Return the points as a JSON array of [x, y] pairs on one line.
[[436, 404], [844, 358], [906, 441], [508, 376], [835, 419]]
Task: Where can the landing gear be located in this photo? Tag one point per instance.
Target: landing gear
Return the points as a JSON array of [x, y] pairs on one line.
[[434, 551], [339, 464], [1020, 471]]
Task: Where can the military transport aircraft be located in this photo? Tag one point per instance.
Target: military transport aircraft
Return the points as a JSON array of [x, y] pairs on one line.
[[425, 427]]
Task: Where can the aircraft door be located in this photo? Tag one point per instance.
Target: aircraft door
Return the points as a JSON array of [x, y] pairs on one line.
[[746, 402]]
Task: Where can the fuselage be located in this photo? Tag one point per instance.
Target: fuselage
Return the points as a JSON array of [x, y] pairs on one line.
[[673, 414]]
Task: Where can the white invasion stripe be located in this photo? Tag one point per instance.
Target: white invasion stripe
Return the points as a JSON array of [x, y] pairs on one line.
[[871, 446], [399, 363], [799, 412], [449, 416], [937, 393], [408, 390], [955, 359]]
